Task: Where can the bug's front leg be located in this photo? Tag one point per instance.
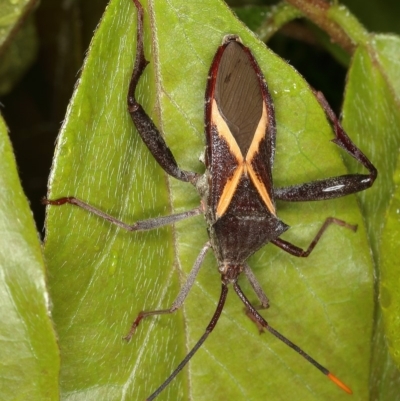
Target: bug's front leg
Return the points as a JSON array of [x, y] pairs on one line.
[[333, 187], [256, 286], [179, 299], [145, 126]]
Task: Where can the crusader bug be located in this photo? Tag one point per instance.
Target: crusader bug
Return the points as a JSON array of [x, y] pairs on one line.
[[237, 192]]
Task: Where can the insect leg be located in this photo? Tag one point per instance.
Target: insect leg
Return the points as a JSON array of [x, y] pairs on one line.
[[256, 286], [140, 225], [260, 295], [296, 251], [179, 299], [209, 329], [262, 322], [145, 126], [333, 187]]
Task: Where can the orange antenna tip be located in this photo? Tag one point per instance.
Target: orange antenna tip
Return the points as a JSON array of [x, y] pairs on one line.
[[339, 383]]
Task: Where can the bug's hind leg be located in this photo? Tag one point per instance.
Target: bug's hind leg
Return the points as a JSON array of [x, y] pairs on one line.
[[333, 187], [145, 126]]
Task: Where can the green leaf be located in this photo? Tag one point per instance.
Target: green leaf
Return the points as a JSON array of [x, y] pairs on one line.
[[372, 117], [28, 351], [101, 277], [18, 46], [390, 277], [388, 48], [12, 12]]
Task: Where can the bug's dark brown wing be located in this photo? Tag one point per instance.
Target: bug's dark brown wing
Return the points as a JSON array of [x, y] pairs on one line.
[[240, 127], [238, 94]]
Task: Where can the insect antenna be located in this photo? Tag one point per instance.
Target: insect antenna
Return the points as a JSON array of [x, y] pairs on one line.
[[260, 320], [209, 329]]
